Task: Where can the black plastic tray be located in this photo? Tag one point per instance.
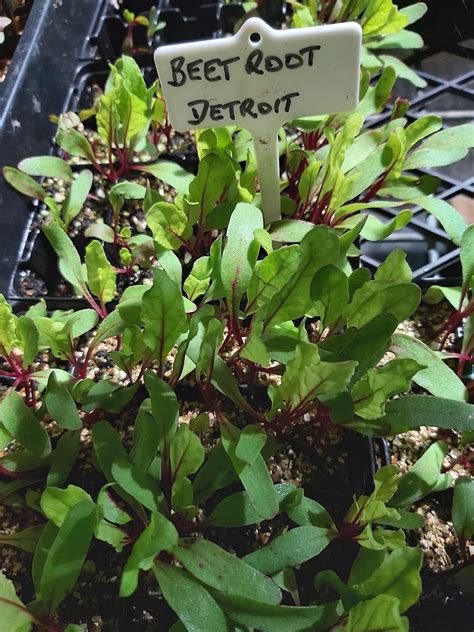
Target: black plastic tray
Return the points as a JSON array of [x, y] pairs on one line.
[[37, 84], [83, 52]]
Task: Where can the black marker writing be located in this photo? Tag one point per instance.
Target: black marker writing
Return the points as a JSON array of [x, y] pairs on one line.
[[248, 107], [196, 70], [257, 63]]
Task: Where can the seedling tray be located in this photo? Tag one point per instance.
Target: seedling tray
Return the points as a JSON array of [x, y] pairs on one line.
[[84, 53], [37, 84]]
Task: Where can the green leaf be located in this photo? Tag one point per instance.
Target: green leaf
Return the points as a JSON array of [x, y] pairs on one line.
[[290, 549], [23, 183], [69, 261], [319, 247], [463, 508], [167, 223], [216, 568], [412, 411], [375, 230], [267, 617], [199, 278], [240, 253], [437, 378], [26, 540], [14, 616], [55, 502], [28, 339], [108, 447], [64, 458], [236, 510], [254, 476], [251, 442], [163, 315], [378, 385], [75, 144], [330, 293], [310, 513], [170, 173], [60, 563], [101, 276], [186, 452], [444, 148], [8, 326], [47, 167], [422, 477], [164, 406], [307, 377], [381, 614], [77, 196], [111, 326], [146, 439], [61, 405], [140, 485], [402, 70], [216, 473], [398, 576], [382, 297], [208, 186], [290, 230], [159, 535], [414, 12], [449, 218], [271, 275], [22, 424], [111, 510], [467, 257], [183, 593]]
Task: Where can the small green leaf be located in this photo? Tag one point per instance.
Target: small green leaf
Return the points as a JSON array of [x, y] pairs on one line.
[[183, 592], [22, 424], [26, 540], [216, 568], [61, 405], [398, 576], [14, 615], [138, 484], [58, 564], [69, 261], [463, 508], [381, 614], [412, 411], [253, 614], [167, 223], [437, 378], [77, 196], [378, 385], [330, 293], [251, 442], [163, 315], [23, 183], [186, 452], [101, 276], [290, 549], [240, 252], [108, 447], [164, 406], [56, 503], [159, 535], [170, 173], [254, 476], [47, 167]]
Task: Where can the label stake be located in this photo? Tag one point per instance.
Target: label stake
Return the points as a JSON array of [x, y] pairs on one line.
[[259, 79]]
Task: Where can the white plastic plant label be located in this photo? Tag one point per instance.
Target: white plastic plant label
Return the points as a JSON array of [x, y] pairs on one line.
[[258, 80]]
